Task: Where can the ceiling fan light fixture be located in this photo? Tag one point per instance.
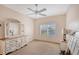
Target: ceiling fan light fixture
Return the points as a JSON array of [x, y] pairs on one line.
[[37, 12], [36, 4]]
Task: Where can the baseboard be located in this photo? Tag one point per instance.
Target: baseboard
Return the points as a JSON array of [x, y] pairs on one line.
[[46, 41]]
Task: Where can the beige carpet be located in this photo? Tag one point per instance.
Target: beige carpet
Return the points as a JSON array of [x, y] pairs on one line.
[[38, 48]]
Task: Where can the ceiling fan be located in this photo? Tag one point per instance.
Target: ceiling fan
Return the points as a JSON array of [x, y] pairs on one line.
[[37, 12]]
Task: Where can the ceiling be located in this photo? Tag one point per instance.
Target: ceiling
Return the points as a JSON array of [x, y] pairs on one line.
[[52, 9]]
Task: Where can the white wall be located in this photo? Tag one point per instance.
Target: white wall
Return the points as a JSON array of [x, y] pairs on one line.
[[59, 20], [73, 18], [6, 13]]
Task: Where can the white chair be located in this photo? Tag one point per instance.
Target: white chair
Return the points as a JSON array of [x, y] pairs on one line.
[[70, 42], [73, 44], [76, 49]]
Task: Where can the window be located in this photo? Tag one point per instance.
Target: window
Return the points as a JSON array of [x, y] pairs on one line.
[[48, 29]]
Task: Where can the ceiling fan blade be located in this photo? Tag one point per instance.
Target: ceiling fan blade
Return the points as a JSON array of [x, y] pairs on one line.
[[36, 5], [42, 10], [30, 9], [30, 13], [42, 14]]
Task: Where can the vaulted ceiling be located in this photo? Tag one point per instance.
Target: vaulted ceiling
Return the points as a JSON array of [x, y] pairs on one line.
[[51, 9]]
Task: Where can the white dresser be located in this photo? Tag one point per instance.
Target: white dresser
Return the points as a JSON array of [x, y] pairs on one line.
[[12, 36], [11, 44]]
